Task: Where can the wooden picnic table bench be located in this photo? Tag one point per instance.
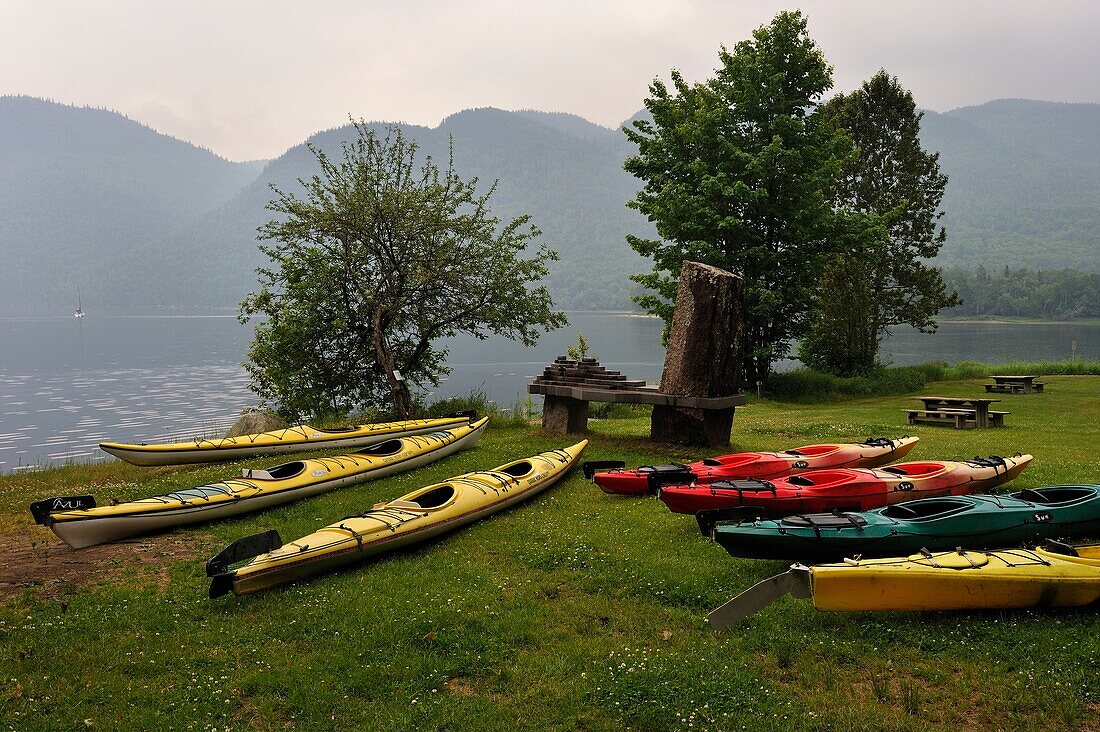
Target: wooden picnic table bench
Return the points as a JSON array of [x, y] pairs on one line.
[[1006, 384], [568, 386], [961, 412]]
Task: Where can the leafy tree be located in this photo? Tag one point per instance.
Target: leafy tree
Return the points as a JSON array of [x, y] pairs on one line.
[[894, 179], [734, 173], [841, 337], [377, 261]]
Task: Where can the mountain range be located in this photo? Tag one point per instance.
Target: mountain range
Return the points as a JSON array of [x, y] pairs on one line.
[[92, 199]]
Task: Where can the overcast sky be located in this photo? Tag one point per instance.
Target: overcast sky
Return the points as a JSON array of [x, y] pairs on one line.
[[250, 78]]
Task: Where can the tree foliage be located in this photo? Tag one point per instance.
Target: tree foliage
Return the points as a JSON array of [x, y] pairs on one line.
[[735, 170], [883, 278], [374, 263], [1059, 294]]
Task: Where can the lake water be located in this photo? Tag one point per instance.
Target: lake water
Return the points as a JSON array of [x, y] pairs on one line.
[[66, 384]]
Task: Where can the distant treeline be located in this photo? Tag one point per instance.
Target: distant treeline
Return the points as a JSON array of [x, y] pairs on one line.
[[1056, 294]]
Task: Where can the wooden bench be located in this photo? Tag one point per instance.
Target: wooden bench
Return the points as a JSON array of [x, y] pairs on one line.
[[1036, 388]]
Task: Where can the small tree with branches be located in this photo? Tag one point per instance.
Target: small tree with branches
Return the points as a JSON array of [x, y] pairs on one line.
[[371, 265]]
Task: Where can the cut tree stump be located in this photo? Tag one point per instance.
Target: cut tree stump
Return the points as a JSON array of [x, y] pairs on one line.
[[702, 357]]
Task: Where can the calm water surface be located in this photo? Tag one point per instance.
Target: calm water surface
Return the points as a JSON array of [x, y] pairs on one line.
[[66, 384]]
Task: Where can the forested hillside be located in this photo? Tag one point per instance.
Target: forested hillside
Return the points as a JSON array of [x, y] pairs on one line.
[[80, 186], [1024, 183], [134, 217], [565, 172]]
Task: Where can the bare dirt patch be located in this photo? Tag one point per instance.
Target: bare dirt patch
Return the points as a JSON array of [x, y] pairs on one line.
[[460, 686], [56, 568]]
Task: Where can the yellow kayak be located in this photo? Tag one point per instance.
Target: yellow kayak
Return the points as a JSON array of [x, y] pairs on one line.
[[412, 518], [80, 523], [1056, 575], [292, 439]]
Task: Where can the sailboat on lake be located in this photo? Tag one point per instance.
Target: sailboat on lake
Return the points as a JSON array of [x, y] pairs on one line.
[[79, 309]]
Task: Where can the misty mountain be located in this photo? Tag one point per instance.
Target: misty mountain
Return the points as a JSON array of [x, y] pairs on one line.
[[80, 187], [138, 218]]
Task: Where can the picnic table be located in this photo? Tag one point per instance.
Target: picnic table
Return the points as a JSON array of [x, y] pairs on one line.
[[961, 412], [1014, 385]]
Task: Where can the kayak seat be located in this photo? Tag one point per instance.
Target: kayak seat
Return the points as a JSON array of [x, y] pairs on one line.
[[400, 504], [712, 462]]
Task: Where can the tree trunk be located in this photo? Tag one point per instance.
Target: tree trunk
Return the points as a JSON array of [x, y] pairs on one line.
[[702, 356], [402, 397]]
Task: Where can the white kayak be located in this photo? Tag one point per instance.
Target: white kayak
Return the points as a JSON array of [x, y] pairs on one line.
[[300, 438]]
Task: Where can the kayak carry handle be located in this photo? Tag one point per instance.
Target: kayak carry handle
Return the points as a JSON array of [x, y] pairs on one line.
[[709, 518], [595, 466], [242, 549], [41, 510]]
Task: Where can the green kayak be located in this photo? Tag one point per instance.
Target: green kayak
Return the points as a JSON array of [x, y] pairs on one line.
[[934, 524]]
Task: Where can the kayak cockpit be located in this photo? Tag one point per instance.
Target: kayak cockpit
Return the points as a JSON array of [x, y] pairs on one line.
[[914, 470], [434, 497], [279, 472], [732, 461], [930, 508], [516, 470], [1058, 494], [823, 478], [382, 449]]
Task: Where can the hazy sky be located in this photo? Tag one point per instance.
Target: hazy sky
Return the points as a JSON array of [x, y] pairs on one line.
[[250, 78]]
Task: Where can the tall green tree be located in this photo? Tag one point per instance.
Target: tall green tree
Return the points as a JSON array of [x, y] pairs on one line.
[[378, 259], [895, 179], [735, 171]]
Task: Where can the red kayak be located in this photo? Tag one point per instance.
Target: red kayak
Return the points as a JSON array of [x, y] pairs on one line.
[[613, 477], [853, 489]]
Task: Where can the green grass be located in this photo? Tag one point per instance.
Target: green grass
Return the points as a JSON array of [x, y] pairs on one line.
[[807, 385], [576, 611]]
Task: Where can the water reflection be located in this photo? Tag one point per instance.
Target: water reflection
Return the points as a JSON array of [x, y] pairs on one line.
[[66, 383]]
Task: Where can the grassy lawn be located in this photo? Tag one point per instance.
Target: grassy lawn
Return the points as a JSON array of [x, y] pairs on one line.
[[576, 611]]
